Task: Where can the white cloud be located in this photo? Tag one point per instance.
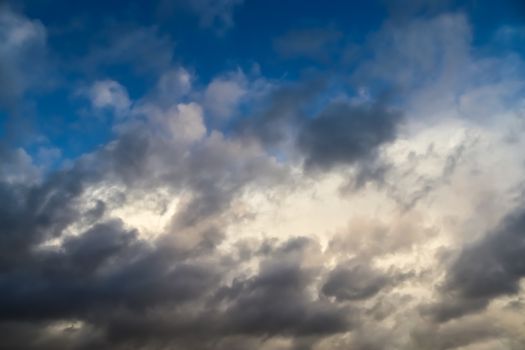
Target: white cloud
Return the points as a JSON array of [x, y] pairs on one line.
[[109, 94], [173, 85], [223, 94], [186, 122]]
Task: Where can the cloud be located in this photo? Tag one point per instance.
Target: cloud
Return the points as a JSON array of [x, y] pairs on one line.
[[474, 332], [339, 134], [109, 94], [173, 85], [218, 215], [110, 282], [18, 167], [345, 134], [283, 106], [23, 55], [223, 94], [354, 282], [485, 270], [89, 267], [420, 59], [276, 300]]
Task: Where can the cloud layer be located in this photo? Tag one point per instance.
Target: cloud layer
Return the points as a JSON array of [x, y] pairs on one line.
[[375, 207]]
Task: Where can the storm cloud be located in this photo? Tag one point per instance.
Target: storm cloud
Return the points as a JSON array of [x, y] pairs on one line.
[[217, 175], [484, 270], [346, 134]]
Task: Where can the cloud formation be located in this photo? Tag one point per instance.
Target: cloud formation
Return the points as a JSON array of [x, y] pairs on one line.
[[376, 204]]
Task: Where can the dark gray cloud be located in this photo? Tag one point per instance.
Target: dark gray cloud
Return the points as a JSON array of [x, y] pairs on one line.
[[276, 301], [277, 121], [344, 134], [33, 214], [485, 270], [340, 134], [129, 293], [454, 335], [354, 282], [121, 291], [451, 307]]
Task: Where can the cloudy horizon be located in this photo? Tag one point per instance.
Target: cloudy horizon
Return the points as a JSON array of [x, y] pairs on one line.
[[243, 174]]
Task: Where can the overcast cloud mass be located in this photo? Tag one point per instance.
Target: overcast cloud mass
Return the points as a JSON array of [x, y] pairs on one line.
[[242, 174]]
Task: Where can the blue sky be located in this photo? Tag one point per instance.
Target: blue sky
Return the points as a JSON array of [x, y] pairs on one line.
[[236, 36], [273, 175]]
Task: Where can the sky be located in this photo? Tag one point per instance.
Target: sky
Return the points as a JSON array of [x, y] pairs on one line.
[[273, 175]]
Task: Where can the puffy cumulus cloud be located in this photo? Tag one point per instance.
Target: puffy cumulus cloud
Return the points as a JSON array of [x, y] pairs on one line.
[[230, 96], [176, 234], [87, 262], [96, 280], [173, 84], [109, 94], [344, 134], [223, 94], [184, 122]]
